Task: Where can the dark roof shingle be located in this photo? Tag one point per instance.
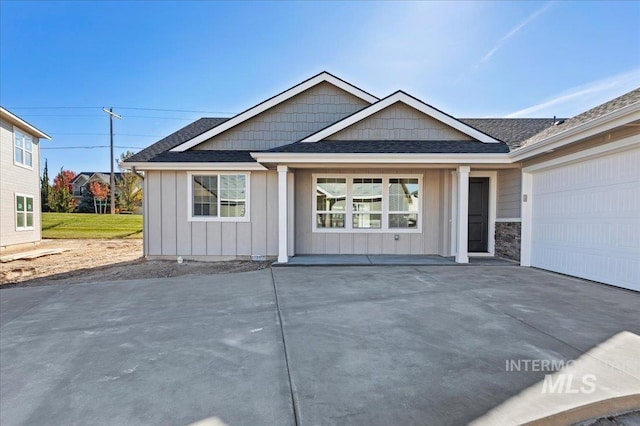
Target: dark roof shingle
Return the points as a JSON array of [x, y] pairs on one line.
[[204, 156], [190, 131], [513, 131], [603, 109]]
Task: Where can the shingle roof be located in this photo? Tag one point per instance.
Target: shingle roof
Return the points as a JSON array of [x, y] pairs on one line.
[[204, 156], [393, 147], [513, 131], [188, 132], [103, 175], [603, 109]]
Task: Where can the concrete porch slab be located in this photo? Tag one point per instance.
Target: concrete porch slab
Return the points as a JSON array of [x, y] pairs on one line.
[[383, 259], [410, 260], [328, 259]]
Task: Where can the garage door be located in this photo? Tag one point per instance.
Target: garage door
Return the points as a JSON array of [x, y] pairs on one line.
[[586, 219]]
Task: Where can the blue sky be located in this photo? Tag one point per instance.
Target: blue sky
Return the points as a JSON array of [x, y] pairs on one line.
[[470, 59]]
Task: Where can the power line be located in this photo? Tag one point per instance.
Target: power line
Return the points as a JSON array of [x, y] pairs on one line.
[[178, 110], [107, 134], [93, 146], [97, 115], [61, 115], [55, 107], [121, 107]]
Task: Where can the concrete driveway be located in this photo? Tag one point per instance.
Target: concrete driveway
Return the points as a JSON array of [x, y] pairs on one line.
[[364, 345]]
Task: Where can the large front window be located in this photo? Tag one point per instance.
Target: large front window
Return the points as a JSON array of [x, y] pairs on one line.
[[22, 148], [355, 203], [219, 197], [24, 212]]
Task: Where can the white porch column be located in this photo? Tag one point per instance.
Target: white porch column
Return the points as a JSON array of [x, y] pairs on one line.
[[283, 226], [291, 215], [462, 222]]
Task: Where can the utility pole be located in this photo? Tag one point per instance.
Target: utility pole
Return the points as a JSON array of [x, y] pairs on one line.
[[112, 180]]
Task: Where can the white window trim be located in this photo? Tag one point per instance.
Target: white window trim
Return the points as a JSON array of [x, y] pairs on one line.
[[15, 212], [24, 149], [385, 204], [191, 218]]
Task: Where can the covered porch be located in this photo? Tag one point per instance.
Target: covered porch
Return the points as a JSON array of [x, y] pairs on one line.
[[458, 214]]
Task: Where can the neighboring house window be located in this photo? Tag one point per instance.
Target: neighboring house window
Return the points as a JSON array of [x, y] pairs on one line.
[[24, 212], [360, 203], [23, 148], [219, 196]]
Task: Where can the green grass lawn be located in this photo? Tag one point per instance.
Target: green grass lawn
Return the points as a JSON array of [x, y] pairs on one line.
[[87, 225]]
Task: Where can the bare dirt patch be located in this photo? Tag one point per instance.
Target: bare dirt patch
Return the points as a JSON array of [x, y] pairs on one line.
[[105, 260]]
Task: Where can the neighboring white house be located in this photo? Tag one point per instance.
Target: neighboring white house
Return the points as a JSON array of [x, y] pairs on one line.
[[19, 181], [327, 168]]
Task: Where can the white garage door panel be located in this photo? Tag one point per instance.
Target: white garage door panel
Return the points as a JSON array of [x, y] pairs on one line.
[[586, 219]]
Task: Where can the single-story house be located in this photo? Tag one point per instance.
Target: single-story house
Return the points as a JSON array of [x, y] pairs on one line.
[[327, 168], [19, 181]]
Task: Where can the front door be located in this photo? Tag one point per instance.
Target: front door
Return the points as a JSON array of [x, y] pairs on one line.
[[478, 214]]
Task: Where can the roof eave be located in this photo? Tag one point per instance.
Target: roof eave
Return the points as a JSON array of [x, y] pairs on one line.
[[193, 166], [382, 158], [15, 120], [585, 130]]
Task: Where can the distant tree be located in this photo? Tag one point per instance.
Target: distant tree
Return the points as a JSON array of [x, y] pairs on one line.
[[123, 157], [64, 179], [45, 188], [86, 204], [100, 193], [61, 199], [129, 191]]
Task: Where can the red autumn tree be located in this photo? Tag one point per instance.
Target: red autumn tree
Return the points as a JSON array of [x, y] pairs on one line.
[[60, 198], [100, 193], [64, 179]]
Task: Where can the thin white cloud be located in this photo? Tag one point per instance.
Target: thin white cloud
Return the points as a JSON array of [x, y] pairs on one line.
[[401, 45], [583, 97], [513, 32]]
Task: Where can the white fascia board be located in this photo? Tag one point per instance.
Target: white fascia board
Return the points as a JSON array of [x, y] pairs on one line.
[[290, 157], [193, 166], [410, 101], [270, 103], [602, 124], [17, 121], [630, 142]]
